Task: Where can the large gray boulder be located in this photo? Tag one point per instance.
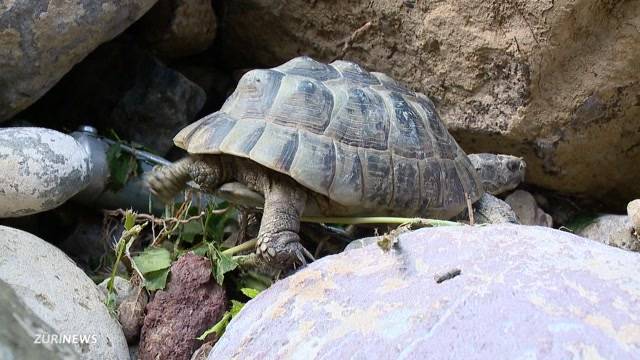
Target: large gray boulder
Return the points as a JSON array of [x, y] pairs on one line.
[[522, 292], [60, 294], [40, 40], [23, 339]]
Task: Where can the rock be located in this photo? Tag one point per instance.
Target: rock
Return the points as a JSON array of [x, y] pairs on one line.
[[203, 351], [551, 292], [489, 210], [88, 243], [131, 314], [60, 294], [191, 303], [40, 41], [556, 84], [42, 169], [614, 230], [122, 287], [633, 211], [178, 28], [146, 102], [527, 209], [499, 173], [214, 81], [23, 339]]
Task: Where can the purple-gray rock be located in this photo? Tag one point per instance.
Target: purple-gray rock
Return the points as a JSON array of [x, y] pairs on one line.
[[521, 292]]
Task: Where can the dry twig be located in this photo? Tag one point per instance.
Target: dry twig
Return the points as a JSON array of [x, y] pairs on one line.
[[347, 43]]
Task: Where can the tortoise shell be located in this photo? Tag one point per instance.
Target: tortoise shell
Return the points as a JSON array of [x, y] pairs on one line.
[[359, 138]]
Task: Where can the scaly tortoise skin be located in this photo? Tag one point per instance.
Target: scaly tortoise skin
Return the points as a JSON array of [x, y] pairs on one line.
[[361, 142]]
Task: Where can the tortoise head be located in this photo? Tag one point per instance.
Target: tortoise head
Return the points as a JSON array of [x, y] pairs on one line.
[[498, 173]]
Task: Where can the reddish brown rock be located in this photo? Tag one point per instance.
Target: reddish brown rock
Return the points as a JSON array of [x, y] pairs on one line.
[[190, 304]]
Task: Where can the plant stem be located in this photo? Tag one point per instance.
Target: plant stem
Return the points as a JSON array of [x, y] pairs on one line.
[[378, 220], [251, 244], [248, 245]]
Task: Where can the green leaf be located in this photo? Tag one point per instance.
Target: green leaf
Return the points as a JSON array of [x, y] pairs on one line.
[[223, 264], [129, 219], [250, 293], [218, 328], [153, 259], [201, 249], [221, 325], [156, 280], [190, 230], [121, 166], [215, 224], [236, 306]]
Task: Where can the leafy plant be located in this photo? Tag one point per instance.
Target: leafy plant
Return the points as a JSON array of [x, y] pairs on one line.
[[153, 264], [130, 233], [122, 166]]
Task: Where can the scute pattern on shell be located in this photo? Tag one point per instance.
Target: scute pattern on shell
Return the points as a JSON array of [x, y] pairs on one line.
[[360, 138]]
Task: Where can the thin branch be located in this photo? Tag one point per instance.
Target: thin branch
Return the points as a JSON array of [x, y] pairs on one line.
[[163, 221]]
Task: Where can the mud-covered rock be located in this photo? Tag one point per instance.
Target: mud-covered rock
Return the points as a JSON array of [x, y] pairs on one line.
[[40, 41], [554, 82], [131, 313], [177, 28], [525, 206], [614, 230], [41, 169], [496, 291], [60, 294], [191, 303], [123, 89]]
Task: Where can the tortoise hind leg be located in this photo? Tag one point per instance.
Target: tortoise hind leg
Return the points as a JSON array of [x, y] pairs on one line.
[[167, 181], [278, 240]]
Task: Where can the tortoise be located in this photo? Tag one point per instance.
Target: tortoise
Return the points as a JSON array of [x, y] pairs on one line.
[[324, 139]]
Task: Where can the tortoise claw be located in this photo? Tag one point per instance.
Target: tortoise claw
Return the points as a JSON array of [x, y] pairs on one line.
[[283, 250]]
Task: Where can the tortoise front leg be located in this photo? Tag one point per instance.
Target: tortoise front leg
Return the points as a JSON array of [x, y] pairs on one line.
[[166, 182], [278, 240]]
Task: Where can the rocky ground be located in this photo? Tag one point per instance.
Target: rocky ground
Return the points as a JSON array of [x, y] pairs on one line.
[[553, 82]]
